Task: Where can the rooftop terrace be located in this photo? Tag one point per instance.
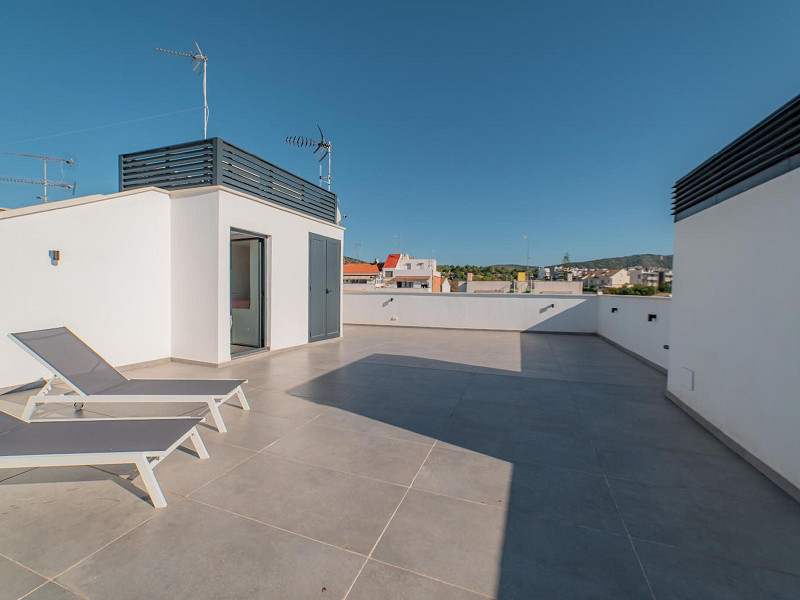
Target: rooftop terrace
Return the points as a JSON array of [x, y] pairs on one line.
[[416, 464]]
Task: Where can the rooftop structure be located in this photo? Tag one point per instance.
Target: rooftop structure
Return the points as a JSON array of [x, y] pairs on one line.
[[190, 261]]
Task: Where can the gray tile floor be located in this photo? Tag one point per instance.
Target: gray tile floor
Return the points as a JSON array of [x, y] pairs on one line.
[[411, 464]]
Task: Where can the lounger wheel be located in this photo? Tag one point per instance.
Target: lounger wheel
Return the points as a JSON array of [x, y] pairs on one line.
[[77, 405]]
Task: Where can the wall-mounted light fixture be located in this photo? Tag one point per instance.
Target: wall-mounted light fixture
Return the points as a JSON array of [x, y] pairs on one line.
[[55, 256], [614, 309], [651, 317]]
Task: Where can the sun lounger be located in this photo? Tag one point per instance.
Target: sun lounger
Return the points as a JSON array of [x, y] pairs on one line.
[[70, 359], [72, 442]]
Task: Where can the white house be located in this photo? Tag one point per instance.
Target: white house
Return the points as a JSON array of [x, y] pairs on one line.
[[406, 272], [195, 259]]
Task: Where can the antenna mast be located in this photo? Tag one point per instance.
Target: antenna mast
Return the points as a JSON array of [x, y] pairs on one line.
[[199, 59], [321, 144], [44, 183]]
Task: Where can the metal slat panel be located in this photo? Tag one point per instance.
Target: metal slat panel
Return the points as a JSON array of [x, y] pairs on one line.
[[763, 152], [216, 162], [262, 192]]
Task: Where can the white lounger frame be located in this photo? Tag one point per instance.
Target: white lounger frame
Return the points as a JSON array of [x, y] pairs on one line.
[[213, 402], [144, 461]]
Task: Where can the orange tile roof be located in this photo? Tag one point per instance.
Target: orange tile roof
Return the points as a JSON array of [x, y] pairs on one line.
[[360, 269], [391, 261]]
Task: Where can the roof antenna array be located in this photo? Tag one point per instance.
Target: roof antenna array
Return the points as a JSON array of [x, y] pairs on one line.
[[198, 60], [44, 183], [321, 144]]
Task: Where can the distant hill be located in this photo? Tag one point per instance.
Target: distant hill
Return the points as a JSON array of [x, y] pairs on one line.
[[649, 261], [350, 259]]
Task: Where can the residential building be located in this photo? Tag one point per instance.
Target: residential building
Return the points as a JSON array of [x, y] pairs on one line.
[[193, 261], [361, 276], [649, 277], [485, 287], [568, 287], [605, 278], [406, 272]]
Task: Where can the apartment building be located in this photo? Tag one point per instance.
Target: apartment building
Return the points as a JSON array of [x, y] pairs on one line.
[[605, 278]]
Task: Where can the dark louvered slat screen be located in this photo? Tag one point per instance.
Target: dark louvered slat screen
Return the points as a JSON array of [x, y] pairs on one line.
[[216, 162]]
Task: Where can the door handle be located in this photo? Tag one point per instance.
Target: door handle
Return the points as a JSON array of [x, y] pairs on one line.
[[327, 291]]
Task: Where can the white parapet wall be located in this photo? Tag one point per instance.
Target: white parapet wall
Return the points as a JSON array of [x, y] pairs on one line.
[[640, 324], [507, 312], [628, 326]]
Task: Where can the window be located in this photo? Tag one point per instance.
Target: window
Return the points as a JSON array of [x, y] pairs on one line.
[[389, 273]]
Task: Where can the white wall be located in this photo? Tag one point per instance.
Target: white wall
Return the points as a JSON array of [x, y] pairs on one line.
[[287, 287], [577, 314], [739, 332], [630, 328], [145, 274], [195, 276], [112, 289]]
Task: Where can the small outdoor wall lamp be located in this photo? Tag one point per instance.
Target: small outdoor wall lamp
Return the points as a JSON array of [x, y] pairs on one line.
[[614, 309], [651, 317], [55, 256]]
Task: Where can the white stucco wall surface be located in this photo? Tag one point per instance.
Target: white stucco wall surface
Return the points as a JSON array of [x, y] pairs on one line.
[[287, 266], [111, 286], [734, 327], [509, 312], [630, 328]]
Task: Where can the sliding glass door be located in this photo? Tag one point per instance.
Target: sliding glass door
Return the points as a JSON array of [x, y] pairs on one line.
[[247, 292]]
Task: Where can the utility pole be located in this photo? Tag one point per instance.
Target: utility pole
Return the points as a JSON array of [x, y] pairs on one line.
[[527, 262]]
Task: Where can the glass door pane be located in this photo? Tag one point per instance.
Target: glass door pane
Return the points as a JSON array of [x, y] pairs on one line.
[[247, 281]]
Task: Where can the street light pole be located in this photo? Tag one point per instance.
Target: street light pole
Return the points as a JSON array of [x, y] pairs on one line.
[[527, 262]]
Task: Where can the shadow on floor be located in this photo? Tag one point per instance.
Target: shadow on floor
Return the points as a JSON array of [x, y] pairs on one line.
[[608, 490]]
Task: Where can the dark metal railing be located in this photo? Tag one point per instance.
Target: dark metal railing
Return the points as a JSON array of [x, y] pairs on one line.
[[756, 156], [216, 162]]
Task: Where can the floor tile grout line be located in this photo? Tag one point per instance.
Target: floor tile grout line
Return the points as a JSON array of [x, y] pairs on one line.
[[184, 497], [58, 584], [327, 468], [608, 486], [106, 545], [442, 581], [276, 527], [26, 567], [630, 539], [47, 579], [389, 522], [375, 435], [253, 455]]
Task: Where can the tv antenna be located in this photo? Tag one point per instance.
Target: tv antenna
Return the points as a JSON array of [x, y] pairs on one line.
[[45, 183], [198, 60], [321, 144]]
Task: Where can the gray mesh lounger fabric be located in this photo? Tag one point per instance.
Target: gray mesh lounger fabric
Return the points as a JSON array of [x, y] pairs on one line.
[[141, 442], [72, 358], [174, 387], [90, 437], [95, 380]]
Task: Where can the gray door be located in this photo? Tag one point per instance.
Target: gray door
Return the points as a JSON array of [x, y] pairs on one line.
[[324, 285]]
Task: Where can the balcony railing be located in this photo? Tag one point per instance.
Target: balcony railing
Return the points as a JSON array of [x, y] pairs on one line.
[[216, 162]]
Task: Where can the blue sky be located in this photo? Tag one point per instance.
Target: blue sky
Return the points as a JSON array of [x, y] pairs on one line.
[[460, 126]]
